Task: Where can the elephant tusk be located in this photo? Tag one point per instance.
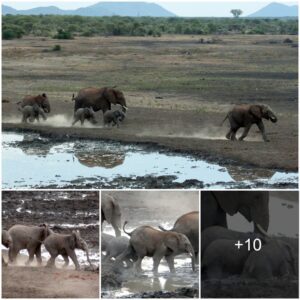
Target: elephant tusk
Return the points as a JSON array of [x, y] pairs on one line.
[[262, 230]]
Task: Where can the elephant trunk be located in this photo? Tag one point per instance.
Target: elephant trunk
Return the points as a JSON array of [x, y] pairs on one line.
[[191, 252]]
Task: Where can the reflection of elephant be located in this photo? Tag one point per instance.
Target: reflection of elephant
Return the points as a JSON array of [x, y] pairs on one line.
[[188, 224], [213, 233], [7, 242], [99, 98], [27, 237], [253, 205], [238, 173], [245, 115], [275, 259], [104, 159], [32, 113], [82, 114], [65, 245], [111, 213], [147, 241], [41, 100]]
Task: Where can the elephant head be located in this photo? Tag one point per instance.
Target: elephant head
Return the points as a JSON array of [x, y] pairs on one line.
[[45, 232], [263, 111], [254, 205], [6, 239], [90, 115], [80, 243], [115, 96], [179, 243], [43, 101]]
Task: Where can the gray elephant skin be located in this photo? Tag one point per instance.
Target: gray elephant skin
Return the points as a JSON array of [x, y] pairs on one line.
[[148, 241], [188, 224], [6, 242], [30, 238], [105, 239], [222, 258], [99, 98], [82, 114], [275, 259], [254, 206], [41, 100], [65, 245], [213, 233], [245, 115], [32, 113], [113, 118], [111, 213]]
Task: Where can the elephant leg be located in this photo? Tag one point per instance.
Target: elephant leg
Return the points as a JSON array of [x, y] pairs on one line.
[[107, 257], [233, 133], [245, 133], [138, 265], [170, 262], [116, 229], [261, 127], [38, 255], [66, 259], [72, 255], [51, 261], [12, 254], [228, 135], [31, 253], [156, 260], [74, 122]]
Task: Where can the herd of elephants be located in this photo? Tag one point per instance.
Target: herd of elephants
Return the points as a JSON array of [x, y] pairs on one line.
[[220, 258], [90, 100]]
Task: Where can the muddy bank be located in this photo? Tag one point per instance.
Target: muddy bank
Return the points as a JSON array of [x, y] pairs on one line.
[[34, 282]]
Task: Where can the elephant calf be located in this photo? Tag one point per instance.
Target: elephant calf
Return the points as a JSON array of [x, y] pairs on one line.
[[32, 113], [275, 259], [113, 117], [83, 114], [245, 115], [30, 238], [65, 245], [147, 241]]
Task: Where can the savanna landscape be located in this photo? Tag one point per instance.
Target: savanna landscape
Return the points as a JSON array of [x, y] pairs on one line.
[[178, 89]]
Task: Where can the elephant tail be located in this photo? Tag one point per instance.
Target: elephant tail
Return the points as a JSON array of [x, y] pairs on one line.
[[227, 116], [129, 233]]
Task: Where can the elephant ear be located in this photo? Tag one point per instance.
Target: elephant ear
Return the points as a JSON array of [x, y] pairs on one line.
[[256, 111], [229, 205], [171, 241], [73, 239]]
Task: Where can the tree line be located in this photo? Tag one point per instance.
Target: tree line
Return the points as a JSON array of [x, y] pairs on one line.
[[67, 27]]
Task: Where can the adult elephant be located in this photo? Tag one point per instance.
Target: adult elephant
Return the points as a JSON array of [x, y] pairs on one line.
[[41, 100], [245, 115], [111, 213], [188, 224], [253, 205], [99, 98]]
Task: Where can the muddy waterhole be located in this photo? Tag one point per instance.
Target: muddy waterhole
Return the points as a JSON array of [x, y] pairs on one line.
[[32, 161]]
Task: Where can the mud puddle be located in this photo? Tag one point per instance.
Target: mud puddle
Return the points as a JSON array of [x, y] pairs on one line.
[[30, 161]]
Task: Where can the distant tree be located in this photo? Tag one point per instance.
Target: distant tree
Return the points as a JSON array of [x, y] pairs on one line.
[[236, 12]]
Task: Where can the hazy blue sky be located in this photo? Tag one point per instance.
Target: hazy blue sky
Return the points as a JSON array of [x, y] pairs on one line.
[[215, 8]]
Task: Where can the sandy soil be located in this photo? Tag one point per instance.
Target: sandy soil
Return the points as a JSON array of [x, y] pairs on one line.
[[177, 90]]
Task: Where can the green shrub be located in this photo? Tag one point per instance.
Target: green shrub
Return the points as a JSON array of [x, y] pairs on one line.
[[56, 48], [63, 35]]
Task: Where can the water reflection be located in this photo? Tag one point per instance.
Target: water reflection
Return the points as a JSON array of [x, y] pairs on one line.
[[239, 173]]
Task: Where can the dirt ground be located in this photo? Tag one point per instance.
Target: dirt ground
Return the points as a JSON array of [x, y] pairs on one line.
[[178, 90], [63, 212]]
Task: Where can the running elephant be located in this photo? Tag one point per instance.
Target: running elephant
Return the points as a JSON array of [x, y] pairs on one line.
[[113, 118], [30, 238], [111, 213], [65, 245], [32, 113], [253, 205], [82, 114], [188, 224], [245, 115], [99, 98], [148, 241], [41, 100]]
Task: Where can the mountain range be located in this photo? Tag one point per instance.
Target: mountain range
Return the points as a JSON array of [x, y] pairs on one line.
[[131, 9], [139, 9]]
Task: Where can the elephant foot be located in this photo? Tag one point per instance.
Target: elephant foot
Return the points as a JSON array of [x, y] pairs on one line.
[[241, 139]]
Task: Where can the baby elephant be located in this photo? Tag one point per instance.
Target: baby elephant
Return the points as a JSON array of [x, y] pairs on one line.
[[83, 114], [65, 245], [113, 117], [148, 241], [32, 113]]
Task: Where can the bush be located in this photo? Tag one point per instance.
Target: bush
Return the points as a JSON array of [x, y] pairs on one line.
[[12, 32], [63, 35], [56, 48]]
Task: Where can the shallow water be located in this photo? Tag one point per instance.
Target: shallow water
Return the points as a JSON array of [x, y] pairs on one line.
[[30, 161]]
